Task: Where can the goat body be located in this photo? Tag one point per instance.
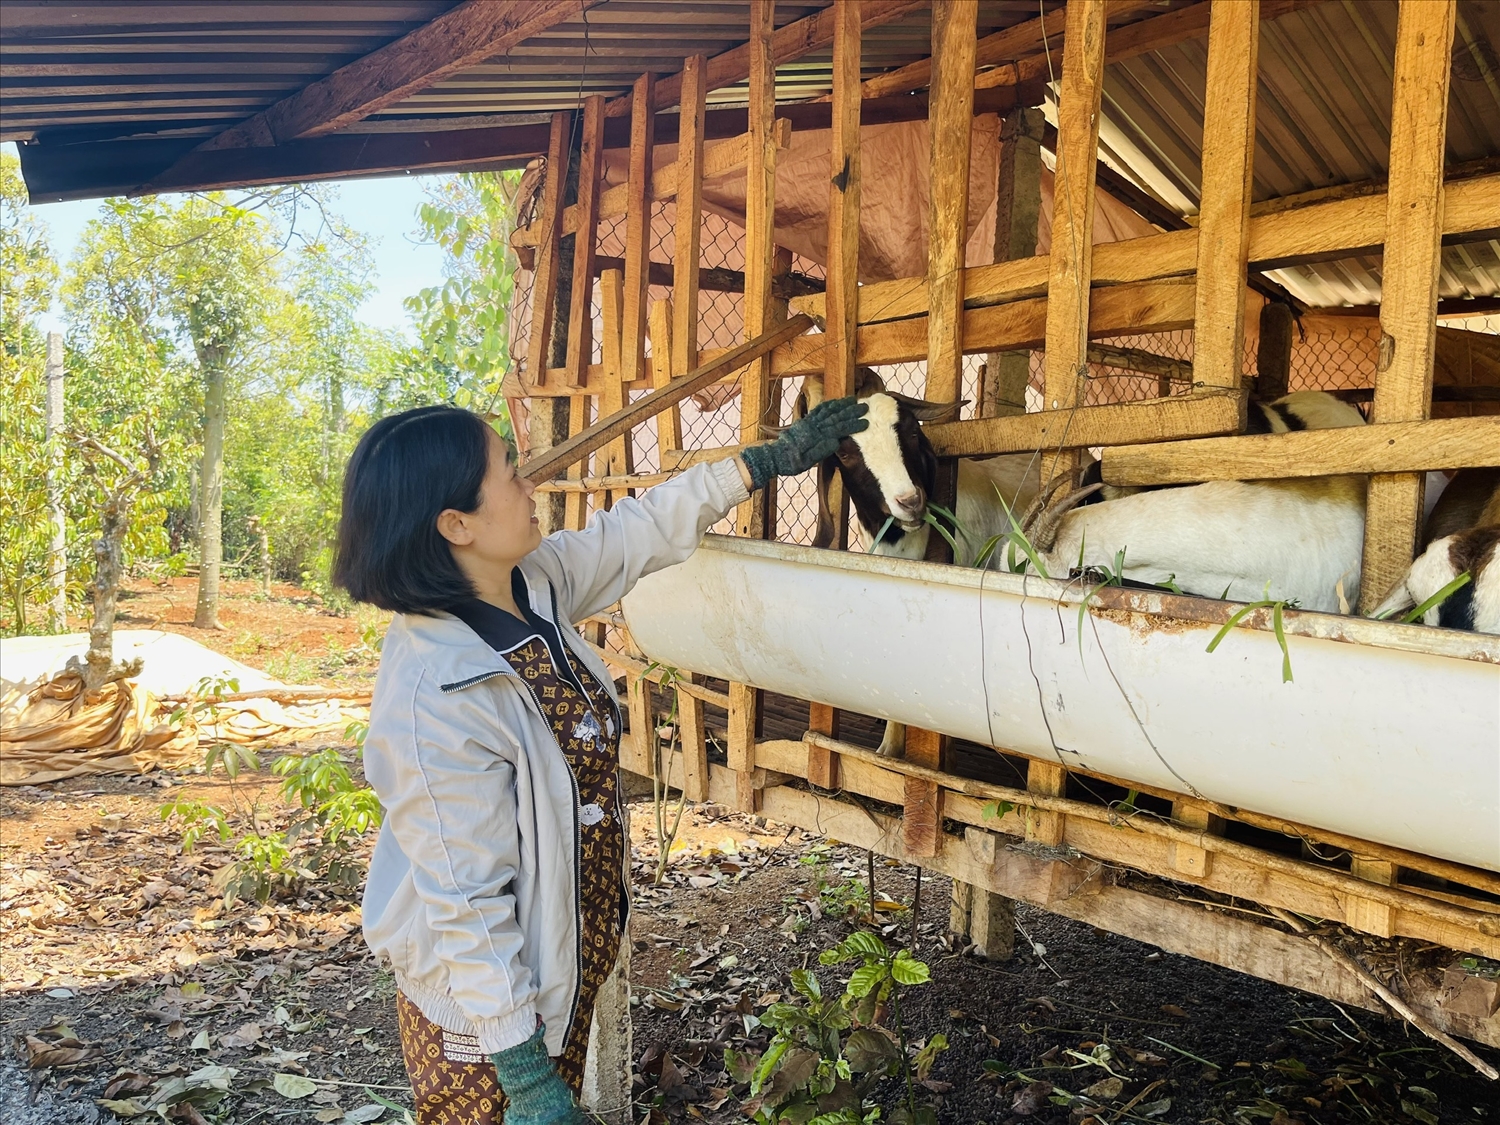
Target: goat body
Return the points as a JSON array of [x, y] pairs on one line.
[[1229, 539]]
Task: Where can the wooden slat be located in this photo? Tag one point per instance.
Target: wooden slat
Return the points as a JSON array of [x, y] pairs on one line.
[[637, 236], [580, 311], [1312, 232], [760, 245], [1409, 278], [792, 42], [669, 421], [1126, 423], [576, 504], [1070, 271], [922, 806], [950, 124], [1224, 212], [843, 204], [582, 444], [688, 226], [549, 221], [616, 459], [468, 34], [1395, 447]]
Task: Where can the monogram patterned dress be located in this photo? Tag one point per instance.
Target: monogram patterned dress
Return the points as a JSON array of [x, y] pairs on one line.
[[449, 1089]]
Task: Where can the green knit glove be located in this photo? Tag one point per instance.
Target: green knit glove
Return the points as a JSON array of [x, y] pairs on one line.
[[530, 1082], [803, 444]]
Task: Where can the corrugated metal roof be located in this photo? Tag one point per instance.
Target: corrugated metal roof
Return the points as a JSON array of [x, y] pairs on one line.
[[156, 78], [1323, 119]]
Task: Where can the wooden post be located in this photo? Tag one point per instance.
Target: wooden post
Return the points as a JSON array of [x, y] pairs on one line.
[[688, 228], [57, 548], [1193, 862], [1072, 255], [616, 459], [1049, 779], [669, 421], [637, 236], [1409, 279], [986, 919], [950, 118], [1224, 209], [1365, 914], [642, 727], [694, 741], [1008, 374], [760, 245], [744, 714], [1273, 352], [922, 810], [580, 308], [841, 305], [549, 223]]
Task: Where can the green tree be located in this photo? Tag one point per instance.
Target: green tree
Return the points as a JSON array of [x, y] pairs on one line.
[[463, 326], [28, 276]]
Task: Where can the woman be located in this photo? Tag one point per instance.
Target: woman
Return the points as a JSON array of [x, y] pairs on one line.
[[498, 891]]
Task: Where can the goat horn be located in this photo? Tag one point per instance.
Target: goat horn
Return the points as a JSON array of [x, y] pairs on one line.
[[1044, 535], [1038, 505]]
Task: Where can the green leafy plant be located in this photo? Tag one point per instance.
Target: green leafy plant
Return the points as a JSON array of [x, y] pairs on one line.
[[828, 1054], [666, 823]]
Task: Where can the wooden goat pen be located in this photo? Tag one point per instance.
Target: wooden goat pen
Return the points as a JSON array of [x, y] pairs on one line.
[[1190, 875]]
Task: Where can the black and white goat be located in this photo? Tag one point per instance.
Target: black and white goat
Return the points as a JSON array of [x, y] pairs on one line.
[[1230, 538], [889, 472], [1463, 534]]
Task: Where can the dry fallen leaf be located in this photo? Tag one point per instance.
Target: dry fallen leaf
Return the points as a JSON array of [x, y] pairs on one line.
[[293, 1086], [245, 1035], [62, 1052]]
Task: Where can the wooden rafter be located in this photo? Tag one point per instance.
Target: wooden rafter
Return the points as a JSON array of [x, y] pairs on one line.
[[467, 35]]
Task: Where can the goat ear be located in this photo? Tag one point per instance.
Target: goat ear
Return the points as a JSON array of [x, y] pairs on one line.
[[867, 382], [810, 397], [930, 411], [826, 532]]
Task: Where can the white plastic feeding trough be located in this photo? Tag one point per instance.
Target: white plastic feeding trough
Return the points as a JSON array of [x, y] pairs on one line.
[[1387, 732]]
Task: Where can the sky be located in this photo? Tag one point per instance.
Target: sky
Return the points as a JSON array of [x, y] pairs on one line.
[[385, 210]]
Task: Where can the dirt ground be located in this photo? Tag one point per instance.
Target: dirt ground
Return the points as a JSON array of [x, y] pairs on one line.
[[120, 966]]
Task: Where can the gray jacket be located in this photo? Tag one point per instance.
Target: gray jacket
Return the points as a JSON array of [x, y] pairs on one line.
[[472, 893]]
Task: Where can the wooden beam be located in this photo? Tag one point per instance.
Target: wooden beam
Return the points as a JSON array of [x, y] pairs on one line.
[[1409, 278], [468, 34], [688, 225], [842, 304], [576, 504], [1317, 231], [637, 238], [549, 220], [1070, 273], [580, 307], [950, 125], [795, 40], [1218, 411], [1273, 353], [1224, 210], [595, 437], [694, 740], [1391, 447], [760, 244], [1048, 779], [744, 709]]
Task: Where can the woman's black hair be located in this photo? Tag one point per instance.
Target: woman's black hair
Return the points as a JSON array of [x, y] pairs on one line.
[[407, 469]]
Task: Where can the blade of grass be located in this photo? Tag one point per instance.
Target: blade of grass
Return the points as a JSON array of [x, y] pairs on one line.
[[1438, 598], [1286, 653]]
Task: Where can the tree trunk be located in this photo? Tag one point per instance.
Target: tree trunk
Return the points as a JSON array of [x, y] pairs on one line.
[[211, 489], [114, 522], [57, 551]]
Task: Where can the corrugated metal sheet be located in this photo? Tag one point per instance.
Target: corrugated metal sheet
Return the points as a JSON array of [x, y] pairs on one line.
[[1323, 119], [158, 76]]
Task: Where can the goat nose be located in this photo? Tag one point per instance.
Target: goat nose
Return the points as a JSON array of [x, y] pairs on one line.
[[909, 501]]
